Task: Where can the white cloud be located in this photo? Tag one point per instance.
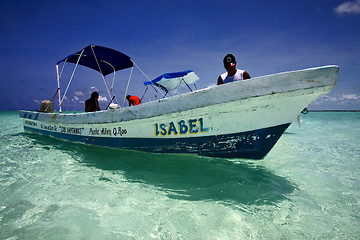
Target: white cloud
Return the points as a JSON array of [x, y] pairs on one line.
[[352, 7], [75, 99], [350, 96], [342, 102], [79, 93], [93, 89], [325, 98], [102, 99]]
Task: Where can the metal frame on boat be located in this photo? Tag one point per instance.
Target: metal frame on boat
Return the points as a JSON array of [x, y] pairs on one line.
[[242, 119]]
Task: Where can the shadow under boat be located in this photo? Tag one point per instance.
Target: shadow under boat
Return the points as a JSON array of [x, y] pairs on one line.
[[183, 176]]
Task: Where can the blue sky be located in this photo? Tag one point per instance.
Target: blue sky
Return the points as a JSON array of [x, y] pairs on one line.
[[266, 37]]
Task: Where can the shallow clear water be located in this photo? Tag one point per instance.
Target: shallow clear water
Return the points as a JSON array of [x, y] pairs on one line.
[[308, 187]]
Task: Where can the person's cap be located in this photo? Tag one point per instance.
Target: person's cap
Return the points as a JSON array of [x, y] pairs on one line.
[[229, 61]]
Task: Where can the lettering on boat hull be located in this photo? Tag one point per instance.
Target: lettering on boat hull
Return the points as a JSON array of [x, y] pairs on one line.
[[182, 127]]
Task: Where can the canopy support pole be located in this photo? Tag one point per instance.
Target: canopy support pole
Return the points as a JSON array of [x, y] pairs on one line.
[[72, 75], [186, 84], [127, 87], [112, 85], [102, 75], [57, 90], [58, 82], [144, 93], [147, 78]]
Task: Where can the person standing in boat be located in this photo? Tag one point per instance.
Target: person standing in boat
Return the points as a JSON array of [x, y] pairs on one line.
[[133, 100], [92, 104], [232, 73]]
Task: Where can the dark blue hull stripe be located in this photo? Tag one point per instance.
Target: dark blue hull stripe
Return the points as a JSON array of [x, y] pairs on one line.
[[252, 144]]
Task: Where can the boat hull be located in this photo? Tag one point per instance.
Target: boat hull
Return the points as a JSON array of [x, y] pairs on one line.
[[252, 144], [237, 120]]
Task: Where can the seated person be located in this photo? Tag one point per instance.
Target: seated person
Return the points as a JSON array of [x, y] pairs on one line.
[[133, 100], [92, 104], [232, 74]]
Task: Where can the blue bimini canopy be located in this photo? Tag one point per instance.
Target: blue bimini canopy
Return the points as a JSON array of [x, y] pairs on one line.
[[170, 81], [102, 59]]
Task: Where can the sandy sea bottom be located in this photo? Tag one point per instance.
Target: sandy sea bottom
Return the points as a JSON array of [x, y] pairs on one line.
[[307, 187]]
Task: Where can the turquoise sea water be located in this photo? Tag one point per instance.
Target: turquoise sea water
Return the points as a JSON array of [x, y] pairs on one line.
[[307, 187]]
